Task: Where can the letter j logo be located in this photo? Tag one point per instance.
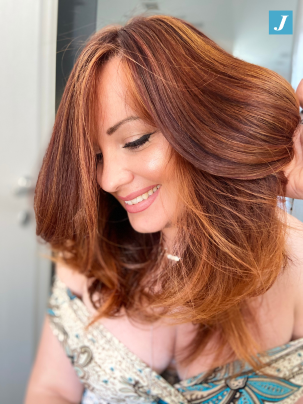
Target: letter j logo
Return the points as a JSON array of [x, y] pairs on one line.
[[280, 22]]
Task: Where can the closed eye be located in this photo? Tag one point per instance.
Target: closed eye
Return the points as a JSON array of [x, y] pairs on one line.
[[131, 145], [139, 142]]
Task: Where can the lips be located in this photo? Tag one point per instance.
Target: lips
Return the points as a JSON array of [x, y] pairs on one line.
[[144, 204], [134, 195]]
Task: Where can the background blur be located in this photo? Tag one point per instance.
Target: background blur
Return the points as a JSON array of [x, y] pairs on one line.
[[40, 40]]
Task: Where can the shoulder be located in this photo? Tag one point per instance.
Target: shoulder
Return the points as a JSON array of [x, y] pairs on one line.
[[294, 245], [75, 281], [295, 232]]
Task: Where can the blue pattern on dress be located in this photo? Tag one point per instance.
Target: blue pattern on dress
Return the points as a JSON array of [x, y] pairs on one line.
[[220, 387], [248, 389], [70, 294], [50, 312]]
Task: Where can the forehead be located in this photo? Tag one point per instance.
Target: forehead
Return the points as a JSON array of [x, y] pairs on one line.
[[112, 93]]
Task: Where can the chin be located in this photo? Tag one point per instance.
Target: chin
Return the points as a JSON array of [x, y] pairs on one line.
[[146, 224]]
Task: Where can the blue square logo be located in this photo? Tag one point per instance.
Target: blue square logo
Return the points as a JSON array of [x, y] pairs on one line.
[[280, 22]]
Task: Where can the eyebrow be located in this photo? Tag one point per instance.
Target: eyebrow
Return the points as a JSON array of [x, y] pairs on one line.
[[113, 129]]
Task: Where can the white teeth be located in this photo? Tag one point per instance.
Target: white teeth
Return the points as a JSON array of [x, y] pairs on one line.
[[142, 197]]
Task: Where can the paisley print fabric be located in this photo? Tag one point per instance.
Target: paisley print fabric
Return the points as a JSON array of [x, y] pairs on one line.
[[112, 374]]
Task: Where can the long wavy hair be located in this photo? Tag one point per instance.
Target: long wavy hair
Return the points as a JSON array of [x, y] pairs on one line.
[[230, 125]]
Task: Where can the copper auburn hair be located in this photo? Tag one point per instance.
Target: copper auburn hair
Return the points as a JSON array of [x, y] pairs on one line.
[[230, 125]]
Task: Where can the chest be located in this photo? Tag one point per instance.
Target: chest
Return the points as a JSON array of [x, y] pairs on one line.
[[159, 345]]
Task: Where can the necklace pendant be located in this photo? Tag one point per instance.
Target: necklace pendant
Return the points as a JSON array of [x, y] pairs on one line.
[[172, 257]]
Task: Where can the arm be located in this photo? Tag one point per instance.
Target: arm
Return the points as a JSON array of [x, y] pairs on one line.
[[296, 241], [53, 379], [294, 170]]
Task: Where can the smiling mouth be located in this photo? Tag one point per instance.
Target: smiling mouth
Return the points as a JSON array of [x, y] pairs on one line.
[[143, 197]]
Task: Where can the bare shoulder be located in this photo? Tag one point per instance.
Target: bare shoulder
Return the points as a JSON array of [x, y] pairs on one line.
[[75, 281], [295, 272], [294, 240], [293, 243]]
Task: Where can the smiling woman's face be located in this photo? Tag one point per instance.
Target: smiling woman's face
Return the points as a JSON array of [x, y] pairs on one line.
[[134, 157]]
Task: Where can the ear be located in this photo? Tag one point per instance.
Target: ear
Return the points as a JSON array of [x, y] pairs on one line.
[[299, 92]]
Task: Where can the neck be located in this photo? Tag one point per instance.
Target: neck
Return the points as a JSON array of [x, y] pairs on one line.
[[169, 234]]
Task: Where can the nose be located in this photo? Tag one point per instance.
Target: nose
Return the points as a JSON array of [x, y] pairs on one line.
[[113, 173]]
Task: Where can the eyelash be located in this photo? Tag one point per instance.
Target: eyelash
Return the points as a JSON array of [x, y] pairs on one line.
[[131, 145]]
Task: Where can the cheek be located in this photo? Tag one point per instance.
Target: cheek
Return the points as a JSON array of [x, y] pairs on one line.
[[155, 163]]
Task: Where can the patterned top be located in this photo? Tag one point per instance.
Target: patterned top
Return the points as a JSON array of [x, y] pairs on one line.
[[111, 373]]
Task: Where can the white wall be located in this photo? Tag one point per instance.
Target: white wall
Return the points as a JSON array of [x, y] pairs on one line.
[[27, 111]]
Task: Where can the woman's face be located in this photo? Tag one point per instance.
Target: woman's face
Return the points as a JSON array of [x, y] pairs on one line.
[[134, 157]]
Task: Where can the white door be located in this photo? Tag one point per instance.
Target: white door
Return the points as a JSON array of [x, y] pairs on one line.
[[27, 110]]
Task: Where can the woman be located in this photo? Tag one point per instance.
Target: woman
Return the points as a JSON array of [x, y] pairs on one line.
[[294, 171], [179, 279]]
